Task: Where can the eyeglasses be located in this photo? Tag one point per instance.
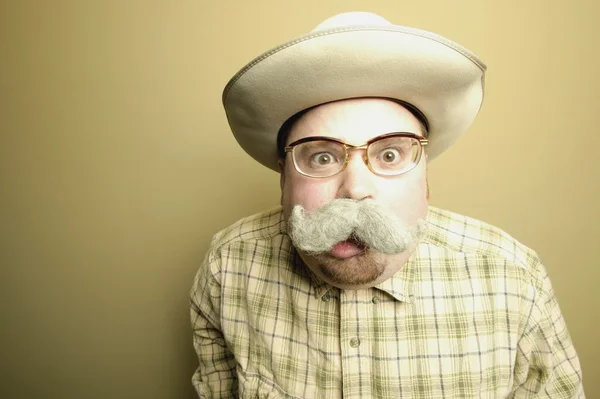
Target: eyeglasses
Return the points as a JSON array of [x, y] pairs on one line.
[[386, 155]]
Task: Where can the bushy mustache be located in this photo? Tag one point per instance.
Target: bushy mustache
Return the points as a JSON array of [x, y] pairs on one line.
[[365, 221]]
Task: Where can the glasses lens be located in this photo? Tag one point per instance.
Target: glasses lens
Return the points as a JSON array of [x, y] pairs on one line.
[[394, 155], [319, 158]]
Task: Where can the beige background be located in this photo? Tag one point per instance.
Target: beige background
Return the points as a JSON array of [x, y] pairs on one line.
[[117, 166]]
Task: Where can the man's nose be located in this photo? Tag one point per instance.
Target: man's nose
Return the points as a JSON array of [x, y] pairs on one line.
[[357, 181]]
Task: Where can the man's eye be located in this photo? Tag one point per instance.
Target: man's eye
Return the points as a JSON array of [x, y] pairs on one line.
[[390, 155], [322, 159]]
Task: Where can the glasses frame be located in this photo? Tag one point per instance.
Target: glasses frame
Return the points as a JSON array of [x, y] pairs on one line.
[[349, 147]]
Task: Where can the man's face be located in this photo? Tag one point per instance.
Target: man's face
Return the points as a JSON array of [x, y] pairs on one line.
[[355, 122]]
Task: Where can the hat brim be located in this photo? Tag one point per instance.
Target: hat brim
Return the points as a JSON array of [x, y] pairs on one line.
[[439, 77]]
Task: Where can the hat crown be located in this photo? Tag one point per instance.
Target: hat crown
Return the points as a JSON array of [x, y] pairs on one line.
[[351, 19]]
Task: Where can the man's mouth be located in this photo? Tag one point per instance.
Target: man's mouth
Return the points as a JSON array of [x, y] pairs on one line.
[[348, 248]]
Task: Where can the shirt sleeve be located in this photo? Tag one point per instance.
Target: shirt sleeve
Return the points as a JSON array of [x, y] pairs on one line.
[[546, 365], [215, 376]]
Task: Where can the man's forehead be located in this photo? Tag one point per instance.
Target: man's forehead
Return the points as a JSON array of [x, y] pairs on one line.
[[355, 121]]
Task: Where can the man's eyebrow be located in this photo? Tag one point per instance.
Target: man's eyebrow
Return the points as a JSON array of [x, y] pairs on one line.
[[342, 140]]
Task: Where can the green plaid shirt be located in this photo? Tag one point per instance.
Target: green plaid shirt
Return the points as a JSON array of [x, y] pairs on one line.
[[472, 314]]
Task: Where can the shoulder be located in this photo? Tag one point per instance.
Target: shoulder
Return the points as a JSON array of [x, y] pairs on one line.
[[260, 226], [238, 243], [457, 233]]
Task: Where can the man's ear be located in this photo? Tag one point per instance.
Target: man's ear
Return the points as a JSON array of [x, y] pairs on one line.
[[281, 164]]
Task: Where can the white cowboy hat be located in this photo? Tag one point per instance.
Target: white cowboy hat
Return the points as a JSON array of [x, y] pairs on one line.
[[355, 55]]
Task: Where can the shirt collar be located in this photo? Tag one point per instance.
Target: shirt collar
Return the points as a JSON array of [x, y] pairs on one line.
[[400, 285], [319, 287]]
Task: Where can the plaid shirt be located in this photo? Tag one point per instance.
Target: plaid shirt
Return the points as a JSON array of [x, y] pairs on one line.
[[472, 314]]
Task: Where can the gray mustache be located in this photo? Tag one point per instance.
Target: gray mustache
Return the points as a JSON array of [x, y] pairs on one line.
[[372, 224]]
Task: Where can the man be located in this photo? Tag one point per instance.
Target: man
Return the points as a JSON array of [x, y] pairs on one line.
[[355, 287]]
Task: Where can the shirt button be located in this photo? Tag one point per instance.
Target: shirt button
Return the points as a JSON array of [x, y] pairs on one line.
[[375, 300], [325, 298], [355, 342]]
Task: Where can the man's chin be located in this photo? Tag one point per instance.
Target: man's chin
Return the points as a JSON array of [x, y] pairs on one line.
[[360, 269]]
